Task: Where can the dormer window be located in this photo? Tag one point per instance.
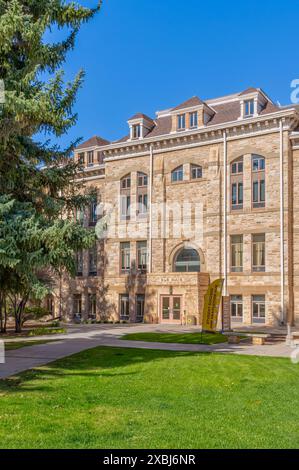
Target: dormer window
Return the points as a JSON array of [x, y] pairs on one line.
[[181, 122], [81, 158], [136, 131], [90, 158], [193, 118], [248, 108]]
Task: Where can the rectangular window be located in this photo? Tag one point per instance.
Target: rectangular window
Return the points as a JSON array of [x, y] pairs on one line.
[[181, 122], [258, 191], [93, 211], [249, 108], [142, 204], [81, 158], [136, 131], [92, 306], [196, 172], [92, 270], [237, 253], [193, 119], [258, 309], [258, 252], [236, 308], [79, 263], [142, 255], [90, 158], [237, 195], [142, 180], [124, 306], [140, 307], [77, 305], [80, 216], [125, 256], [125, 202]]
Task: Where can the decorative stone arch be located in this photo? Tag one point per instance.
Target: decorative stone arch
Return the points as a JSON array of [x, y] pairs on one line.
[[185, 245]]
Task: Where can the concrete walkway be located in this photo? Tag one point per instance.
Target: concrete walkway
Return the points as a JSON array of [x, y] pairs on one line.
[[80, 338]]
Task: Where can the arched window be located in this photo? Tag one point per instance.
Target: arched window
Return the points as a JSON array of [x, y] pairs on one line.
[[196, 172], [236, 184], [258, 181], [187, 260], [125, 182], [177, 174]]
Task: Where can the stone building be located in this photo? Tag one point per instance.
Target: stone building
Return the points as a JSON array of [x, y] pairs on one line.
[[205, 190]]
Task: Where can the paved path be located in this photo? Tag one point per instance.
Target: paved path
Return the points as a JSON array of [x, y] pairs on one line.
[[85, 337]]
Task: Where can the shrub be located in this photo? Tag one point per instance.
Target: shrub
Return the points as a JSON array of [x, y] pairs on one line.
[[46, 331]]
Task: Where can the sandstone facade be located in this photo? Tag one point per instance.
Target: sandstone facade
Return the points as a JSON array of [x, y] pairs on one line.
[[183, 192]]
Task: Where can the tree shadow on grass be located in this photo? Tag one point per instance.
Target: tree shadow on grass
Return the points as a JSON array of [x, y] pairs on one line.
[[97, 362]]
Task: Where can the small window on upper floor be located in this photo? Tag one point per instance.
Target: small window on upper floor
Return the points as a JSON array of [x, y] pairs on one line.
[[237, 167], [136, 131], [258, 181], [193, 119], [177, 174], [196, 172], [141, 179], [90, 158], [181, 122], [248, 108], [81, 158], [126, 182]]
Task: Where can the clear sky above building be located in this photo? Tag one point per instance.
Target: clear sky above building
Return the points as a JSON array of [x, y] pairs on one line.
[[147, 55]]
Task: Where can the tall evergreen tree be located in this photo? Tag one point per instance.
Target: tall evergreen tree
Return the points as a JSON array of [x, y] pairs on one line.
[[37, 197]]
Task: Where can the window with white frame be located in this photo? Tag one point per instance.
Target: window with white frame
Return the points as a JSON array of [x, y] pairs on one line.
[[258, 252], [124, 306], [140, 300], [93, 210], [142, 199], [236, 184], [196, 172], [92, 261], [136, 131], [125, 197], [77, 305], [258, 181], [79, 263], [125, 249], [181, 122], [258, 309], [248, 108], [81, 158], [177, 174], [236, 246], [142, 255], [236, 307], [90, 158], [126, 182], [92, 306], [193, 119]]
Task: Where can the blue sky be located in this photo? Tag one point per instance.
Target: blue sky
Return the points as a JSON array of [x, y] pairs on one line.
[[147, 55]]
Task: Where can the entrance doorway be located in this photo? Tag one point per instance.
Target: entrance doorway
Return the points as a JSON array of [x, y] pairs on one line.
[[171, 309]]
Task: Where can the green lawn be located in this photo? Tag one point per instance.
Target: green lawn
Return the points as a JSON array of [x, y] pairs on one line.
[[22, 344], [132, 398], [186, 338]]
